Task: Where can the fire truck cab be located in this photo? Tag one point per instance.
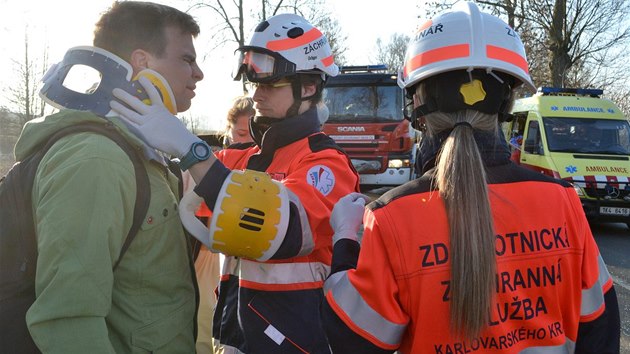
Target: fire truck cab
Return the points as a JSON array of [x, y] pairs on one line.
[[366, 120], [575, 135]]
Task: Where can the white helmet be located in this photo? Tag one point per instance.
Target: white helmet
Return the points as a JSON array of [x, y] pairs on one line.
[[284, 45], [464, 38]]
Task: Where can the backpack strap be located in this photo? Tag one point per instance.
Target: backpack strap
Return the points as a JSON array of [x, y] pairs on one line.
[[143, 187]]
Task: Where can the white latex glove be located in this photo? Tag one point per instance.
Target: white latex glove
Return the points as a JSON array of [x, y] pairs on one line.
[[347, 216], [158, 127]]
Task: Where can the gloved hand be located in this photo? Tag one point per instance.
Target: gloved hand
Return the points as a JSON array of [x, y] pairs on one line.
[[158, 127], [347, 216]]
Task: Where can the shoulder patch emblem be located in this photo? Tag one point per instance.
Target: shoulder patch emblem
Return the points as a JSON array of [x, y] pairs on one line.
[[322, 178]]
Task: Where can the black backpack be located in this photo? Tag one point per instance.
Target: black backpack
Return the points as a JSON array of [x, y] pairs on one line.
[[18, 245]]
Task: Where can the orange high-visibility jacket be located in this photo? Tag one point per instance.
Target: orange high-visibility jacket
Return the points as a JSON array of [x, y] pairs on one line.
[[273, 306], [550, 275]]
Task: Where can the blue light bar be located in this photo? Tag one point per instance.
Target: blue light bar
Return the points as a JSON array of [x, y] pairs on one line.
[[562, 91]]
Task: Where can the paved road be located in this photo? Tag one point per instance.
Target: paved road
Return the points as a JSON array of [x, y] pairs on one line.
[[614, 245], [613, 240]]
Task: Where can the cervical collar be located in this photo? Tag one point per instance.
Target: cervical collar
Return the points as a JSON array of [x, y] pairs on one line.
[[114, 72]]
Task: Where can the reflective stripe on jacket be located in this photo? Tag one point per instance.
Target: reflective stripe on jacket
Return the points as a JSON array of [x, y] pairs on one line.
[[273, 306], [550, 275]]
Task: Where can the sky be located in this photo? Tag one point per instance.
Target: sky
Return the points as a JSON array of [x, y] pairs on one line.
[[63, 24]]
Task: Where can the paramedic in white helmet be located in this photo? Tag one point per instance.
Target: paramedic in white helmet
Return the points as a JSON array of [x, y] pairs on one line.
[[478, 255], [271, 202]]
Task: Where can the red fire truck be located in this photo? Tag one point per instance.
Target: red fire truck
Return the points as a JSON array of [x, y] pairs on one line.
[[367, 121]]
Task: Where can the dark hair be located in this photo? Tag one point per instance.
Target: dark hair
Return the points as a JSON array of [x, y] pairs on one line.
[[131, 25], [310, 79]]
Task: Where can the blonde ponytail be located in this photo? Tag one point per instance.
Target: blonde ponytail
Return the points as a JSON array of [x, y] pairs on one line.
[[461, 181]]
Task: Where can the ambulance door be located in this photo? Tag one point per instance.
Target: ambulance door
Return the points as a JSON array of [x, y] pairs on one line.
[[514, 131], [533, 151]]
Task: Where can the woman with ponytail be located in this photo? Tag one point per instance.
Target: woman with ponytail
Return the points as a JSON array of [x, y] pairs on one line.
[[478, 254]]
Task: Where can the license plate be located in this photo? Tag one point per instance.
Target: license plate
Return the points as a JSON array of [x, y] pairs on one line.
[[614, 211]]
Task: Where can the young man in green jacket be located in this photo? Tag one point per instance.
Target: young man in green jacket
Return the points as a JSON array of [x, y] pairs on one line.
[[83, 201]]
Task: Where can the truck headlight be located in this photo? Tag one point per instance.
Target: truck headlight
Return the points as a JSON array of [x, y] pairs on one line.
[[398, 163]]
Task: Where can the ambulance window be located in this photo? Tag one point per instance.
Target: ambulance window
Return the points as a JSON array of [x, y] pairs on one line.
[[516, 127], [587, 135], [519, 124], [532, 142]]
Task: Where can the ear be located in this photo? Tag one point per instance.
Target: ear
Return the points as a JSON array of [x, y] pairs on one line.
[[308, 90], [139, 60], [416, 100]]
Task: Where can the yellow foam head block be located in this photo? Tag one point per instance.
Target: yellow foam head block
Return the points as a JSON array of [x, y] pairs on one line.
[[250, 216], [163, 88]]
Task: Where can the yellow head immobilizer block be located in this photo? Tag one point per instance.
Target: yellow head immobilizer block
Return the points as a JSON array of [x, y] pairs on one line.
[[250, 217], [160, 83]]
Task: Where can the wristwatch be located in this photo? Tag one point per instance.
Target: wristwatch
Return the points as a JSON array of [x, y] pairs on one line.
[[199, 151]]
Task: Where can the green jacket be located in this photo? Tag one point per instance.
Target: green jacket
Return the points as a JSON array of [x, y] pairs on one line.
[[83, 198]]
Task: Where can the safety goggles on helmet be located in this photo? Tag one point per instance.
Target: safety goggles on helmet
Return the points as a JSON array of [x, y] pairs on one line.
[[284, 45], [261, 65]]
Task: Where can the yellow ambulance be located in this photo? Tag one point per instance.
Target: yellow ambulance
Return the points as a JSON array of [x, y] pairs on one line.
[[575, 135]]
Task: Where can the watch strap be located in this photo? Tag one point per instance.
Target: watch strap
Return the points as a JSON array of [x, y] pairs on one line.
[[192, 157]]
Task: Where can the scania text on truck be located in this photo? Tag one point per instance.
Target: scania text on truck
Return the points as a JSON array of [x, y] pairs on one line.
[[366, 120], [578, 136]]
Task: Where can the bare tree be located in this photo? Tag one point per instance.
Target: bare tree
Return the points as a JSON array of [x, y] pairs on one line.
[[191, 123], [621, 97], [392, 53], [581, 38], [42, 71], [580, 30], [23, 95], [432, 8], [231, 25]]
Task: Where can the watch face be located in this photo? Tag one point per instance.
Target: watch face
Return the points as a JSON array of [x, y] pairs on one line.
[[201, 150]]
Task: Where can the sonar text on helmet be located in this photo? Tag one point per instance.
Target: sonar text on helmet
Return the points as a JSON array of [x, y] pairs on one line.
[[428, 31]]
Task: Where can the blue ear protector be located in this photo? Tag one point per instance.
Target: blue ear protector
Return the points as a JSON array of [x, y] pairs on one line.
[[114, 72]]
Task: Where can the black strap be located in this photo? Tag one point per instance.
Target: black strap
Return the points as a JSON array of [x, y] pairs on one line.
[[143, 187]]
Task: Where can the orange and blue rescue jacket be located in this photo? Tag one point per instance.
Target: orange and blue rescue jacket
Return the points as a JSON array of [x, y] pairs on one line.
[[553, 291], [273, 306]]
